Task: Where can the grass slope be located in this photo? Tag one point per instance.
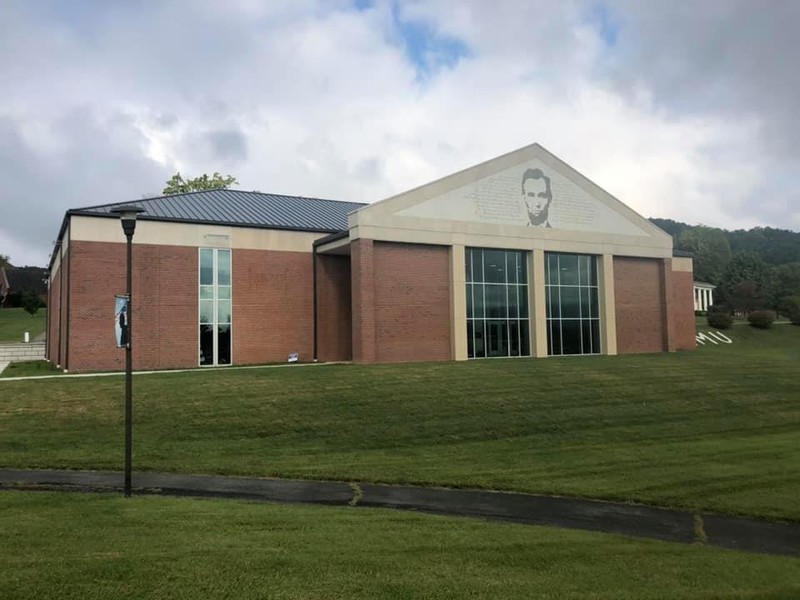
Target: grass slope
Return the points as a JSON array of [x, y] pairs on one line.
[[30, 368], [14, 322], [717, 429], [96, 546]]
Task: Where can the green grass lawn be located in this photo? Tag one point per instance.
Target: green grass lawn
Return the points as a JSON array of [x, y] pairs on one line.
[[717, 429], [65, 546], [14, 322], [30, 368]]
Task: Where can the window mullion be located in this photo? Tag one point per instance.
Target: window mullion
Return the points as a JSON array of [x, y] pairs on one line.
[[216, 307]]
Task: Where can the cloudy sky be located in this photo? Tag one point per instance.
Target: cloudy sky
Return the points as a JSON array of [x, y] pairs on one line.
[[682, 110]]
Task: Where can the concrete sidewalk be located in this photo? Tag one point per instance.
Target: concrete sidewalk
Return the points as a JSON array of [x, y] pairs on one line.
[[750, 535]]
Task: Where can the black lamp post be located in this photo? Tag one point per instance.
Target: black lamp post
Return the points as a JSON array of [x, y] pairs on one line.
[[127, 215]]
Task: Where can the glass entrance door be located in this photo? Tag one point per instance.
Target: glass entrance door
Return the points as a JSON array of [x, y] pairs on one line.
[[497, 338]]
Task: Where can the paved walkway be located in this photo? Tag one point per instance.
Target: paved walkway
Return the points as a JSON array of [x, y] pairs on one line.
[[750, 535], [167, 371]]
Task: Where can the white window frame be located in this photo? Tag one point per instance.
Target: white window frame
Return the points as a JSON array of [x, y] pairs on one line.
[[215, 313]]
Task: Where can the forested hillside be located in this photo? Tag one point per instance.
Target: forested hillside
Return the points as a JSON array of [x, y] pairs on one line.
[[752, 268]]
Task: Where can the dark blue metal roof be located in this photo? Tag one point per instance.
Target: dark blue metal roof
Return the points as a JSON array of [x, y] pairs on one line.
[[245, 209]]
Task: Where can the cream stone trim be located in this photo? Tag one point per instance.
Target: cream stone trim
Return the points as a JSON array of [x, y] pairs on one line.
[[216, 240], [409, 198], [56, 266], [59, 253], [104, 229], [334, 245], [682, 264], [273, 239], [378, 211], [65, 239], [608, 313], [537, 303], [458, 303], [519, 238], [367, 221]]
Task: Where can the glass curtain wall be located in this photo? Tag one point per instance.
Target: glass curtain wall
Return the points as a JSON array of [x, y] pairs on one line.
[[573, 314], [498, 323], [215, 306]]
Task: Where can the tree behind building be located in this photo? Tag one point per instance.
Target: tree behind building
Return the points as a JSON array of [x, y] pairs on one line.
[[178, 185]]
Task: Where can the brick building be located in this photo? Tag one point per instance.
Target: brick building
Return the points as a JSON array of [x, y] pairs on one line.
[[517, 256]]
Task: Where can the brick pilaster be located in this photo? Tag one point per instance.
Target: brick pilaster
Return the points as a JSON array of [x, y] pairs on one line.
[[362, 264]]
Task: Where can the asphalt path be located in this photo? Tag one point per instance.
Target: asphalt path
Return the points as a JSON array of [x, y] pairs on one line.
[[751, 535]]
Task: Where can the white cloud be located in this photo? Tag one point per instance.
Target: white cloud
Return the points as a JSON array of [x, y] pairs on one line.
[[315, 98]]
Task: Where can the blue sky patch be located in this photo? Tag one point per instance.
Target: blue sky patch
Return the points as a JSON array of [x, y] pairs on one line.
[[606, 23], [426, 49]]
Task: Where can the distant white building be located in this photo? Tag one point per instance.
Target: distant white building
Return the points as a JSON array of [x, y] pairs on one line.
[[703, 295]]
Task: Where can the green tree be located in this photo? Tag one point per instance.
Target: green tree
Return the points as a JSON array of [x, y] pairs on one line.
[[710, 249], [785, 282], [746, 297], [747, 266], [790, 306], [775, 246], [31, 302], [674, 228], [4, 260], [178, 185]]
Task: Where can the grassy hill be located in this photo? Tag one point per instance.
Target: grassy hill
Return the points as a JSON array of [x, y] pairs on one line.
[[14, 322], [98, 546], [716, 429]]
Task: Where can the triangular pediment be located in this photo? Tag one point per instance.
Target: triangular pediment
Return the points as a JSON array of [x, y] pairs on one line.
[[529, 188]]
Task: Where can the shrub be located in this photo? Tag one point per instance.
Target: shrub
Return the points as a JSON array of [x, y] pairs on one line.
[[790, 307], [762, 319], [719, 308], [720, 320], [31, 302], [700, 313]]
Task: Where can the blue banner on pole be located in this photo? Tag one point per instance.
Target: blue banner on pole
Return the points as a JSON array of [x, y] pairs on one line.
[[121, 320]]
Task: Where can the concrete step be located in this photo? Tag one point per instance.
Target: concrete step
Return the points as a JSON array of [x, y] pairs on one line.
[[21, 352]]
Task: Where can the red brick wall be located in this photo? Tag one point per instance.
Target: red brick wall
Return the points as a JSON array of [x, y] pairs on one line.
[[362, 289], [683, 310], [272, 306], [640, 310], [669, 317], [164, 324], [334, 324], [411, 302]]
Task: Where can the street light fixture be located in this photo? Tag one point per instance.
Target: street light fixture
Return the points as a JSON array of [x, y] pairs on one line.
[[127, 215]]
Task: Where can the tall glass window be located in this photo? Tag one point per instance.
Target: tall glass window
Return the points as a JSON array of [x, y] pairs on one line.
[[215, 306], [498, 323], [573, 313]]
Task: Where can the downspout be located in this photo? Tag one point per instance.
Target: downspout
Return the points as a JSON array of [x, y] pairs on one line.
[[314, 267]]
